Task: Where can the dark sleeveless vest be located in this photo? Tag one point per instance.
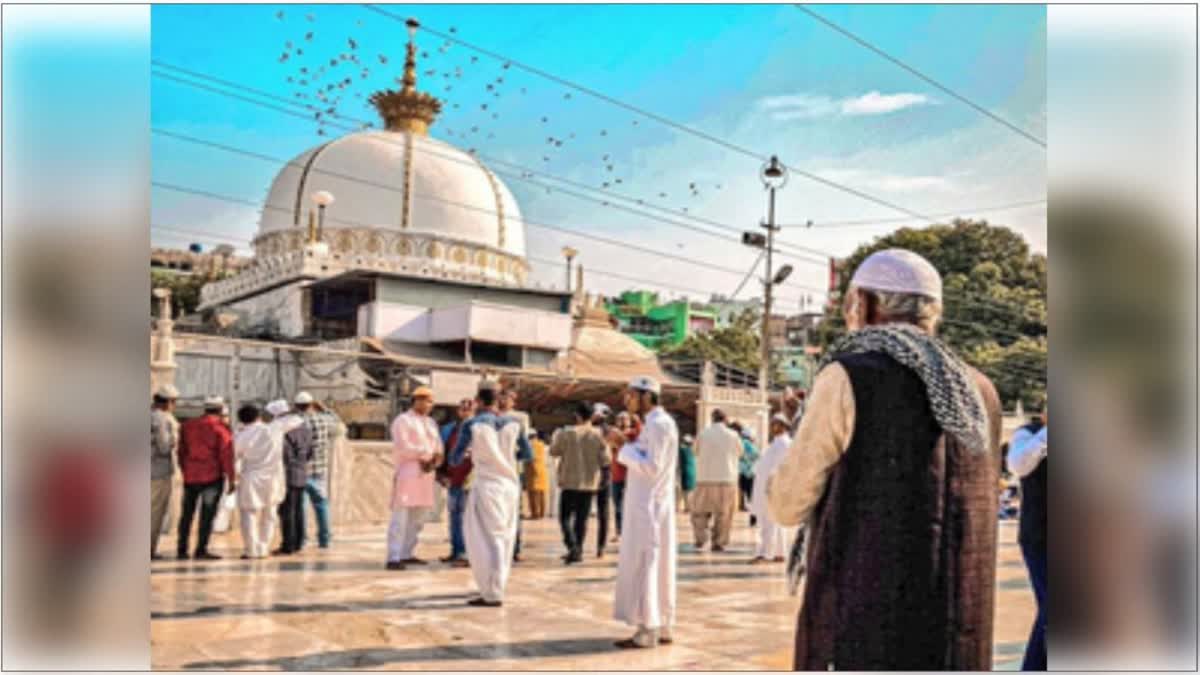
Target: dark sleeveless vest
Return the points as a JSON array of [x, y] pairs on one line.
[[902, 550], [1032, 532]]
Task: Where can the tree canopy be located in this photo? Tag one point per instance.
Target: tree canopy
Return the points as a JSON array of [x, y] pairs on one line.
[[994, 300], [737, 344]]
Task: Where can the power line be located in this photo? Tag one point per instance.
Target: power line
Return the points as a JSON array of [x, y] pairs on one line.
[[946, 214], [525, 174], [928, 80], [748, 275], [761, 157]]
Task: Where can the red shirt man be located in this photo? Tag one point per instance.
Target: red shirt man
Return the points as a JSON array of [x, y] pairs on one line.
[[205, 450], [205, 459]]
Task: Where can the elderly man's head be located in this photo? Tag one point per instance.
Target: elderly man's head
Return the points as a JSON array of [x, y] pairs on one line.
[[894, 286]]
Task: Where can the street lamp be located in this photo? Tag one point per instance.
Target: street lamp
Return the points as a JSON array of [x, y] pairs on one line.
[[569, 253], [321, 198], [774, 175]]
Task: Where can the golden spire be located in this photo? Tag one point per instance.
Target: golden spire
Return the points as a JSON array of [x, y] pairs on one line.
[[407, 109]]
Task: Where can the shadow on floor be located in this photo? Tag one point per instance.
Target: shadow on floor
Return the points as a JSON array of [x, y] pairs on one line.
[[374, 657], [219, 567], [443, 601]]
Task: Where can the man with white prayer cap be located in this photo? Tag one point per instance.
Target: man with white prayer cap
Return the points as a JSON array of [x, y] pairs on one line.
[[893, 471], [773, 539], [645, 592], [258, 445], [164, 436]]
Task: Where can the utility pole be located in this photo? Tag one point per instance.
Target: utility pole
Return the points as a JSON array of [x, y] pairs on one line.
[[774, 176]]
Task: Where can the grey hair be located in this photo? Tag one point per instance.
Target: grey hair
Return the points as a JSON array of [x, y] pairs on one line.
[[893, 307]]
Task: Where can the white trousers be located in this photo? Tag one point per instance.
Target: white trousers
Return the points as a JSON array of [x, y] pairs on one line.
[[258, 527], [404, 531], [773, 539]]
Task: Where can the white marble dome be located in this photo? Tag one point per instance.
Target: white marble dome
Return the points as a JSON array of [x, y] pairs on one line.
[[397, 183]]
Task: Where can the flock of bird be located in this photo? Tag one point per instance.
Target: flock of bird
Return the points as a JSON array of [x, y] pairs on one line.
[[473, 99]]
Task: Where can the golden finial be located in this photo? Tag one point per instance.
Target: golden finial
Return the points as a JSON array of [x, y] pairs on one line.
[[407, 109]]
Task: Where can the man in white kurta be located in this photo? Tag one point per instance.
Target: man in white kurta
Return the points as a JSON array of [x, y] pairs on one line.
[[773, 539], [258, 446], [416, 450], [490, 518], [645, 593]]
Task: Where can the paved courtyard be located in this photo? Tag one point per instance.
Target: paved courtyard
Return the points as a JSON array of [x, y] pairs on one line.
[[338, 608]]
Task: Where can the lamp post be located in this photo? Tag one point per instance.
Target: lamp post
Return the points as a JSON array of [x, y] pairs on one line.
[[569, 253], [321, 198], [774, 175]]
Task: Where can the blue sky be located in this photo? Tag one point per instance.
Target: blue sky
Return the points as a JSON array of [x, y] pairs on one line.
[[769, 78]]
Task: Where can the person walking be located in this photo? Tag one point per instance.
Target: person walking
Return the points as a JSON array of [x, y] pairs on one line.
[[164, 437], [1027, 457], [298, 450], [773, 539], [717, 449], [894, 470], [325, 429], [416, 451], [455, 479], [581, 452], [746, 470], [537, 482], [206, 461], [687, 471], [645, 591]]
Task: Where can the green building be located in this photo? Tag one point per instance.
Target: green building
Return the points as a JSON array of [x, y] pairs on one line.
[[656, 325]]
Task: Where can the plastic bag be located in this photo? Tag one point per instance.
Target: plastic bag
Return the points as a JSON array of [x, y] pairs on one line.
[[225, 508]]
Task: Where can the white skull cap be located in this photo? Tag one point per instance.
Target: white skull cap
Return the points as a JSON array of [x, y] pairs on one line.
[[278, 407], [214, 402], [167, 391], [645, 383], [303, 397], [900, 271]]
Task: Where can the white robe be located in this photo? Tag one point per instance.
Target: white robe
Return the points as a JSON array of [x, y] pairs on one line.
[[490, 516], [774, 540], [259, 449], [645, 593]]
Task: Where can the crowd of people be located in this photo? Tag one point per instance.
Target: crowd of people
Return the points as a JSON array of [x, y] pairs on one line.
[[886, 474], [277, 459]]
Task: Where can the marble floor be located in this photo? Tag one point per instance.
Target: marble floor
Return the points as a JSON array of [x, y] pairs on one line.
[[339, 608]]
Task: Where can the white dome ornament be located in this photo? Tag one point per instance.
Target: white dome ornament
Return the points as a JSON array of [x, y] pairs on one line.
[[398, 191]]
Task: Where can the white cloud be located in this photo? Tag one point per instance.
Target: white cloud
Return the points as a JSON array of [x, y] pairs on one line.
[[874, 103], [810, 106], [889, 182]]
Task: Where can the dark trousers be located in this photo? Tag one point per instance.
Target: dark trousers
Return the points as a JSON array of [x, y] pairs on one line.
[[746, 486], [1035, 650], [618, 498], [291, 519], [209, 495], [602, 499], [573, 511]]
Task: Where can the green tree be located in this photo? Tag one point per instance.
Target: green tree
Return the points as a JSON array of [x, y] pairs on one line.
[[738, 344], [994, 300], [185, 288]]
